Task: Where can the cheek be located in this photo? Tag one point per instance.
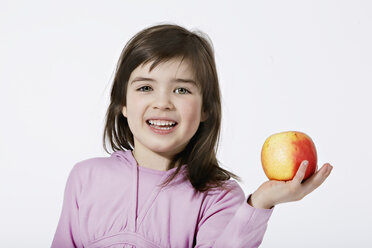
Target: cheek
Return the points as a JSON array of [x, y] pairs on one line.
[[134, 111], [192, 113], [133, 105]]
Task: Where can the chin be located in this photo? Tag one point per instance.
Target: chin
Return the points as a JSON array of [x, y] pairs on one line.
[[166, 150]]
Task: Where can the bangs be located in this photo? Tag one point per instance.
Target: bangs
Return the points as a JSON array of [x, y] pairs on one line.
[[191, 65]]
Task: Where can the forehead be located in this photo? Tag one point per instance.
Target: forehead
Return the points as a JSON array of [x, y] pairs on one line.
[[174, 67]]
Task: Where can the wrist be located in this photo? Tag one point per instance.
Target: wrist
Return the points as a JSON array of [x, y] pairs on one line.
[[257, 200]]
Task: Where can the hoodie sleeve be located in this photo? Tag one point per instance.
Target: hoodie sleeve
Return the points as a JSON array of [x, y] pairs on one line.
[[67, 233], [231, 222]]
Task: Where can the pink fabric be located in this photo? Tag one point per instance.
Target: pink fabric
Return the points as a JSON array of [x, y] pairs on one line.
[[112, 202]]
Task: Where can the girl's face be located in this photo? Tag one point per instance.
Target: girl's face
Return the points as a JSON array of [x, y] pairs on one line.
[[164, 106]]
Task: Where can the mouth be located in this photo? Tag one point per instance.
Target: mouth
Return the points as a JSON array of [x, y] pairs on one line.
[[162, 124]]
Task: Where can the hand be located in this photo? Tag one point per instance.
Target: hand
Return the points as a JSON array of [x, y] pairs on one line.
[[274, 192]]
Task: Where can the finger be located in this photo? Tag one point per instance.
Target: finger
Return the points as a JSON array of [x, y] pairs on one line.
[[300, 174], [317, 179]]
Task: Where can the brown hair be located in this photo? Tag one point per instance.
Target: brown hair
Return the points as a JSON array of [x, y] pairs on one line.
[[158, 44]]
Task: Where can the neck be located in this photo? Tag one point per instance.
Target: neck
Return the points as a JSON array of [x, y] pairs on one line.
[[151, 160]]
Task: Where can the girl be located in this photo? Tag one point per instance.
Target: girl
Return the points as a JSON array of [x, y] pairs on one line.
[[162, 186]]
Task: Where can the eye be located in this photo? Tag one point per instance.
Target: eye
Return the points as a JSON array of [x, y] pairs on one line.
[[145, 88], [182, 91]]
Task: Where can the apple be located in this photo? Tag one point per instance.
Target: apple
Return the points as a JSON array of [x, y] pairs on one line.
[[282, 154]]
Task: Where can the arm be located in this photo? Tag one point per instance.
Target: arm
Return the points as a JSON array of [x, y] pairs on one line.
[[231, 222], [224, 225], [67, 233]]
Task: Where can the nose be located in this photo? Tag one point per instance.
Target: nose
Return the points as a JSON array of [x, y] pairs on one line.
[[163, 101]]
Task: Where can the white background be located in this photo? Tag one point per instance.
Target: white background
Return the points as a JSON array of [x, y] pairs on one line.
[[283, 65]]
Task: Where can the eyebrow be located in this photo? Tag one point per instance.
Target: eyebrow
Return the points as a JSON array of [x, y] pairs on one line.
[[176, 80]]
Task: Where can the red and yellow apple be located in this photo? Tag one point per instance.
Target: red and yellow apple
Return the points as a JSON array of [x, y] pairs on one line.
[[282, 154]]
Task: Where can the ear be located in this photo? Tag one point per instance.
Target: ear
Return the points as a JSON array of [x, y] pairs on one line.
[[204, 116], [124, 111]]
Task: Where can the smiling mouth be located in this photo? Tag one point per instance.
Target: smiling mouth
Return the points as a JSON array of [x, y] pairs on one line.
[[161, 124]]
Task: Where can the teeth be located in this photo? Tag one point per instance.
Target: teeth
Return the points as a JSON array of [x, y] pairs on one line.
[[161, 123], [162, 128]]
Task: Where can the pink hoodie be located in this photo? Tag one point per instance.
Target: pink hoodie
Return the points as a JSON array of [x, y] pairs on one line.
[[112, 202]]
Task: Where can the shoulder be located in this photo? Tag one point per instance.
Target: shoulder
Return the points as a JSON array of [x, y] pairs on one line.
[[117, 161], [227, 198], [231, 192]]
